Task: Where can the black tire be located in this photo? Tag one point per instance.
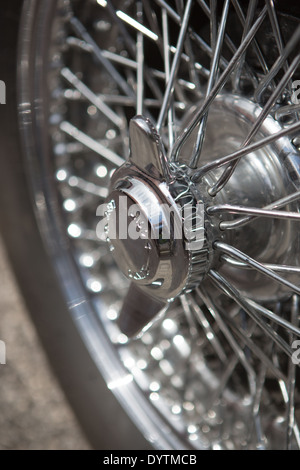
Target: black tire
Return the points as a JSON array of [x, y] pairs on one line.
[[103, 420]]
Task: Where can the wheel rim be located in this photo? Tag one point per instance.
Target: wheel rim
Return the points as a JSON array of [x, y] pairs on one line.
[[203, 370]]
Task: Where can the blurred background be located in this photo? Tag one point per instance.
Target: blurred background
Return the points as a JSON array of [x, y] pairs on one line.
[[34, 413]]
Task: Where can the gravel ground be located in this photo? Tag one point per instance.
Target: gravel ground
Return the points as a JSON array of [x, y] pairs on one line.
[[33, 411]]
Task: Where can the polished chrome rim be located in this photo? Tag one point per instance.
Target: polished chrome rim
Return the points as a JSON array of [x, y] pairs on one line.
[[212, 362]]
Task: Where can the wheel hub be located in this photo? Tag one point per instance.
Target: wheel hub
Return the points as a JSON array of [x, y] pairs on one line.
[[260, 178], [156, 226]]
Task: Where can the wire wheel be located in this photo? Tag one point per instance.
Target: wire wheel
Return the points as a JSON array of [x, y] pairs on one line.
[[210, 358]]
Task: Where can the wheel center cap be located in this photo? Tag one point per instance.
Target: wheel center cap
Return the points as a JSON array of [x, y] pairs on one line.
[[155, 222]]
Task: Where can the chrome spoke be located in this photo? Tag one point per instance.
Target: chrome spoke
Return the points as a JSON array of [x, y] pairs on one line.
[[229, 225], [280, 62], [194, 36], [198, 67], [166, 48], [212, 78], [247, 24], [217, 87], [112, 56], [275, 27], [240, 355], [140, 64], [130, 44], [252, 211], [224, 178], [87, 187], [291, 383], [279, 268], [189, 316], [235, 253], [275, 318], [126, 101], [255, 45], [232, 342], [293, 129], [91, 97], [258, 352], [181, 82], [286, 111], [132, 47], [136, 25], [225, 378], [97, 52], [212, 15], [91, 144], [189, 53], [261, 379], [152, 18], [175, 65], [289, 326], [105, 58], [230, 291], [209, 332], [229, 43]]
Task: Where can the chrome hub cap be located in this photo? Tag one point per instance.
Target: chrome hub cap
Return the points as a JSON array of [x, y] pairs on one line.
[[161, 245]]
